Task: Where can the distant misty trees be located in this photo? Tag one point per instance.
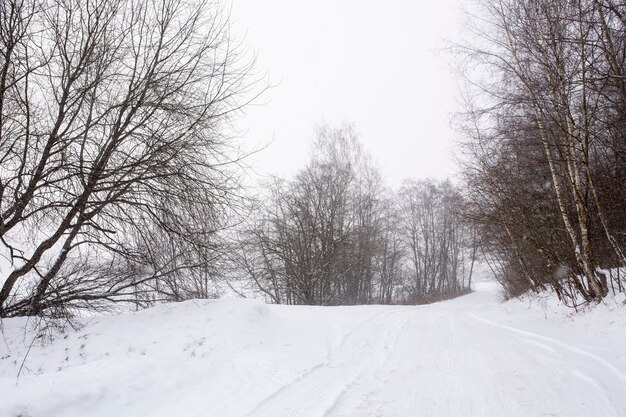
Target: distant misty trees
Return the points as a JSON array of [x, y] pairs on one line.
[[436, 241], [546, 145], [334, 234], [114, 170]]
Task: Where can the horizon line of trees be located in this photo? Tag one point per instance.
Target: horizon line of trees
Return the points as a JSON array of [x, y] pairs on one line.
[[334, 234]]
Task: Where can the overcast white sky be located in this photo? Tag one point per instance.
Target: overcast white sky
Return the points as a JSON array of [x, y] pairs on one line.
[[373, 64]]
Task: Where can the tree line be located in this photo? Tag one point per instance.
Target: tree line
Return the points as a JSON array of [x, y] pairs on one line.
[[335, 234], [545, 144]]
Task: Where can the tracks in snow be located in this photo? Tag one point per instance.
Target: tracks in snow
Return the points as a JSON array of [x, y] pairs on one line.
[[353, 355], [445, 360], [465, 357], [557, 346]]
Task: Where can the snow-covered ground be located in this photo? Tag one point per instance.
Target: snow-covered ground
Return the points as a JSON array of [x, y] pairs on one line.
[[471, 356]]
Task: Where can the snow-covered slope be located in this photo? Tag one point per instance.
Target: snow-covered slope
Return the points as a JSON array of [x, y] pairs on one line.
[[466, 357]]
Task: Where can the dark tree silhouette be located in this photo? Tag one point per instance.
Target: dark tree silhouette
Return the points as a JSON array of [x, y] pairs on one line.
[[113, 165]]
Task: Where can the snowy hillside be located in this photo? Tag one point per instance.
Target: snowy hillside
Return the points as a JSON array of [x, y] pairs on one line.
[[466, 357]]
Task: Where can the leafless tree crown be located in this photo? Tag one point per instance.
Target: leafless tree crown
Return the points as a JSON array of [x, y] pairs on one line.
[[113, 162]]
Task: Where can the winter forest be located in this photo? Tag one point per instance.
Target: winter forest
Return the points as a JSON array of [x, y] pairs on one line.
[[118, 183], [124, 187]]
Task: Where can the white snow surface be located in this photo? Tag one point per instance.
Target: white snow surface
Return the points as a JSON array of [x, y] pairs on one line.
[[472, 356]]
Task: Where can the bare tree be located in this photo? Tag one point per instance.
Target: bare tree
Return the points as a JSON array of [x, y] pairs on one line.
[[111, 126], [434, 238], [318, 236], [391, 256]]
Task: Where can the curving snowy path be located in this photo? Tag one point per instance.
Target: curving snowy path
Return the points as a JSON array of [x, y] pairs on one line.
[[466, 357]]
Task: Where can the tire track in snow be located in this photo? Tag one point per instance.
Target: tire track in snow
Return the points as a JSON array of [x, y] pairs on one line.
[[372, 370], [321, 390], [541, 338]]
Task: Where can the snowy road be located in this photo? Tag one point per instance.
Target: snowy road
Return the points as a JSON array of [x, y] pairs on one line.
[[445, 360], [465, 357]]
